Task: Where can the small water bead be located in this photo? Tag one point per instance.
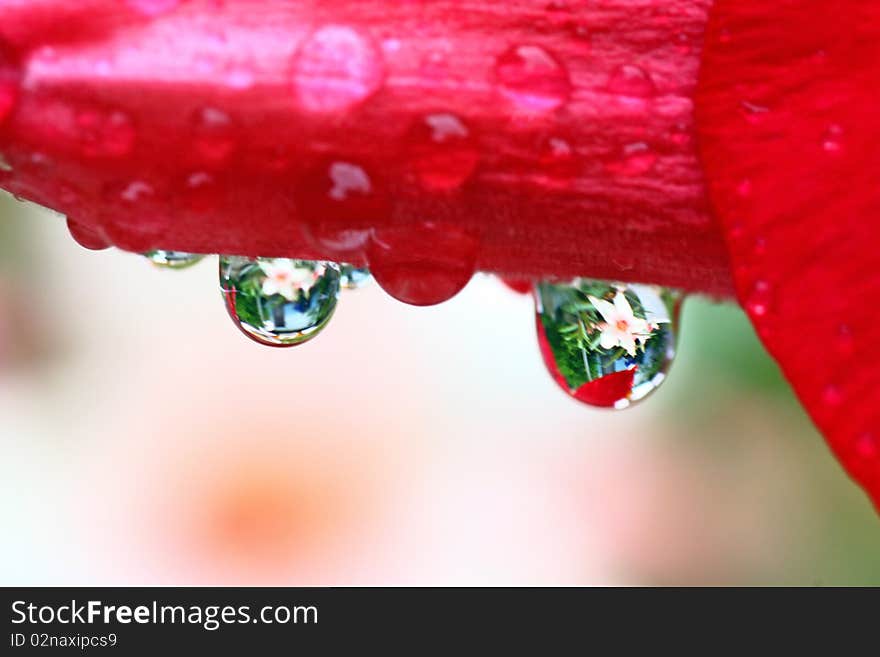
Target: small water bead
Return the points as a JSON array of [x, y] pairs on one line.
[[441, 152], [532, 79], [339, 202], [632, 84], [9, 84], [173, 259], [832, 140], [354, 278], [214, 136], [153, 7], [632, 160], [337, 68], [200, 193], [104, 133], [557, 159], [760, 300], [423, 264], [279, 302], [607, 344], [135, 216], [867, 446]]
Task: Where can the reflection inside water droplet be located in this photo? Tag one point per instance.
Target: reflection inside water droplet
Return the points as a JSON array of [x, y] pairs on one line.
[[354, 278], [607, 344], [173, 259], [279, 302]]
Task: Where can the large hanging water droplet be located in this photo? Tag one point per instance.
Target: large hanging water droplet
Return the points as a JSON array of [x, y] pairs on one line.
[[86, 237], [173, 259], [532, 79], [607, 344], [279, 302], [354, 278], [407, 271]]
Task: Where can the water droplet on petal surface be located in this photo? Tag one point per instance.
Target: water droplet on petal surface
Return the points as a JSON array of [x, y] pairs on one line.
[[607, 344], [532, 79], [135, 216], [173, 259], [337, 68], [441, 152], [279, 302], [632, 84], [153, 7], [410, 272], [214, 136], [9, 84], [354, 278], [339, 202]]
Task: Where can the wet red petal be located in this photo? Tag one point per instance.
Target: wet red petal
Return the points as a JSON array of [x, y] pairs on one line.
[[791, 145]]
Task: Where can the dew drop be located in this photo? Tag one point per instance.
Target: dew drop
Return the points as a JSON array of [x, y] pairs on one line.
[[153, 7], [557, 159], [354, 278], [339, 203], [441, 152], [9, 84], [135, 215], [832, 140], [200, 193], [398, 261], [337, 68], [867, 446], [607, 344], [632, 160], [279, 302], [832, 395], [532, 78], [87, 237], [214, 136], [104, 133], [759, 301], [632, 84], [173, 259]]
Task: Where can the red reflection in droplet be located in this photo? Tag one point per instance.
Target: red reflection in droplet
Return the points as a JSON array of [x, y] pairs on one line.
[[423, 264]]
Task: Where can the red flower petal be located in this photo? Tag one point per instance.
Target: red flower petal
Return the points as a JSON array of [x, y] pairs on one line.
[[791, 141], [561, 136]]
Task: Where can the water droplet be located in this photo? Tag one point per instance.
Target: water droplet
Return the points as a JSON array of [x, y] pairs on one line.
[[632, 160], [86, 237], [173, 259], [279, 302], [153, 7], [104, 133], [760, 300], [518, 285], [832, 395], [214, 136], [423, 264], [9, 83], [633, 85], [337, 68], [867, 446], [339, 203], [200, 193], [441, 152], [134, 216], [532, 78], [354, 278], [557, 159], [605, 344], [844, 342], [832, 140]]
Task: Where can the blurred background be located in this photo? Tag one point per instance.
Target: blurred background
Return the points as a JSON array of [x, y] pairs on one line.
[[145, 441]]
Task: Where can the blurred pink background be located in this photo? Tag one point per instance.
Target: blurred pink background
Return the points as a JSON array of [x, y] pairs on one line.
[[145, 441]]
